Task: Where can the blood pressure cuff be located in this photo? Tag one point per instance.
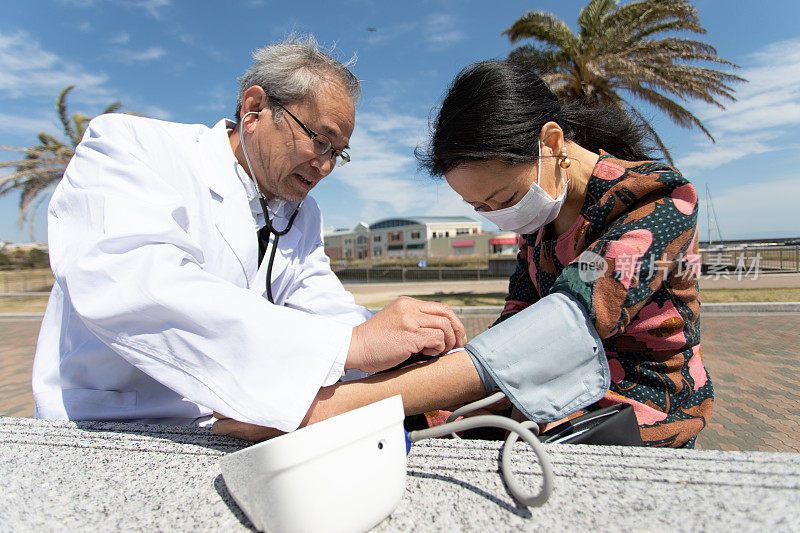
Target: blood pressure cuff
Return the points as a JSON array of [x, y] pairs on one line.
[[547, 359]]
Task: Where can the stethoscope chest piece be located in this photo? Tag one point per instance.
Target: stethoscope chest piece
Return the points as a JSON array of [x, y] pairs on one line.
[[263, 240]]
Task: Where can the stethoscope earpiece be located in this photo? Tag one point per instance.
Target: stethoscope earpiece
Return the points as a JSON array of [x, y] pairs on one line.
[[262, 201]]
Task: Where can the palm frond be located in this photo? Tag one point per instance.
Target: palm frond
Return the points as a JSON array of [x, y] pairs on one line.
[[113, 107], [592, 16], [544, 27], [677, 113], [647, 17], [80, 120], [61, 107], [627, 49], [49, 140], [44, 164], [653, 134]]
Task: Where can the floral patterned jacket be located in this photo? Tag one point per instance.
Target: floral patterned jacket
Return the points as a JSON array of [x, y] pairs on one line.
[[631, 259]]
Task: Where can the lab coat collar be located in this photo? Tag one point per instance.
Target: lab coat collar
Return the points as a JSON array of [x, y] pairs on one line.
[[234, 215]]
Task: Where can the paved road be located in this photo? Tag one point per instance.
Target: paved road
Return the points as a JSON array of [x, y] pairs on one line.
[[753, 362]]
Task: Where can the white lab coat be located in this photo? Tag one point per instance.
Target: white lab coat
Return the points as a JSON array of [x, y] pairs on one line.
[[159, 312]]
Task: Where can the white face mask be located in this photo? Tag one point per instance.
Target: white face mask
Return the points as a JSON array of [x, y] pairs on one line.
[[534, 210]]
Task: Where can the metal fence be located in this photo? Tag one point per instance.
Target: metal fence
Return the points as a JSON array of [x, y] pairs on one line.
[[751, 259], [744, 260], [395, 274]]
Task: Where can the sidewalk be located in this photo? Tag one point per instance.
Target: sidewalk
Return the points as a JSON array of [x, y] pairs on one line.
[[754, 362]]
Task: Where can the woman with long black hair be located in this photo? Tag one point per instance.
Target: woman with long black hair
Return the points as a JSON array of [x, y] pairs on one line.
[[609, 246]]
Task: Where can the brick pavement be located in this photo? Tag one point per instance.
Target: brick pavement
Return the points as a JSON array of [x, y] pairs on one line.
[[17, 346], [753, 362]]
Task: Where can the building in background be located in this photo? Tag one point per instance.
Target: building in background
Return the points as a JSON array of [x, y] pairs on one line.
[[417, 237]]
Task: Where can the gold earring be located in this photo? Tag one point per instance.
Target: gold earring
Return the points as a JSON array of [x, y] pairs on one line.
[[564, 162]]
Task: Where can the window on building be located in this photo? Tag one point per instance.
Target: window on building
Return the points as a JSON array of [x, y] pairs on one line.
[[347, 242], [376, 252], [446, 233], [462, 231], [395, 236], [415, 234], [376, 238], [361, 240]]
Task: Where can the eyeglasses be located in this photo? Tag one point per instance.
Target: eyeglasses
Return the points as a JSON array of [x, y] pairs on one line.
[[320, 144]]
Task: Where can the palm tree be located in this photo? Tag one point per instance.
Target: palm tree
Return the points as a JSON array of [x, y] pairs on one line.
[[44, 163], [616, 53]]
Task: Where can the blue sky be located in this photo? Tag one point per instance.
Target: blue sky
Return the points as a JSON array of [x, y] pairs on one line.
[[179, 60]]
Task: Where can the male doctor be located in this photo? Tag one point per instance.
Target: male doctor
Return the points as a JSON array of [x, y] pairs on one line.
[[162, 311]]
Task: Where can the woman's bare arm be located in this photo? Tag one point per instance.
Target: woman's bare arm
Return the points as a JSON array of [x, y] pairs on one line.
[[445, 381]]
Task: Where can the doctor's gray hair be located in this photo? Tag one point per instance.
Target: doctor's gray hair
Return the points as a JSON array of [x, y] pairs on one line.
[[293, 70]]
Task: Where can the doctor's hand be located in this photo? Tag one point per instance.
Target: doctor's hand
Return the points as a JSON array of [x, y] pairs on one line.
[[402, 328]]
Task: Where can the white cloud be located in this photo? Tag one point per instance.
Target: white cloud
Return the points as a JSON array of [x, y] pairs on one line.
[[186, 38], [754, 210], [727, 149], [121, 38], [140, 56], [153, 8], [29, 125], [766, 114], [79, 3], [218, 99], [399, 129], [774, 114], [84, 27], [441, 30], [153, 111], [27, 70], [383, 167], [383, 174]]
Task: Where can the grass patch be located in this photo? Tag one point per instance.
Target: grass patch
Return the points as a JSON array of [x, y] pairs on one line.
[[467, 299], [34, 304], [26, 280], [453, 299], [750, 295]]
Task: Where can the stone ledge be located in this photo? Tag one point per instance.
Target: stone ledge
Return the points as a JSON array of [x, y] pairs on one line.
[[100, 476]]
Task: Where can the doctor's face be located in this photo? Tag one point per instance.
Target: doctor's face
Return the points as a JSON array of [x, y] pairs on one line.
[[284, 161]]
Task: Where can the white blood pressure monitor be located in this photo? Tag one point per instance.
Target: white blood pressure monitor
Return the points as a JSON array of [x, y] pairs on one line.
[[346, 473]]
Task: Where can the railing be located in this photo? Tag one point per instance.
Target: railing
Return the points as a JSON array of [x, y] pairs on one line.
[[751, 259], [394, 274], [748, 260]]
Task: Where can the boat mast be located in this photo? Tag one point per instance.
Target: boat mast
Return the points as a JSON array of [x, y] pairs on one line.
[[709, 212]]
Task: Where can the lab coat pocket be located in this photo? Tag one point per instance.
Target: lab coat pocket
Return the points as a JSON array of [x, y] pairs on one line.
[[102, 404]]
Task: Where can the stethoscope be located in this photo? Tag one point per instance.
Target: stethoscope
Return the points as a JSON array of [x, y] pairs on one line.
[[263, 241]]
